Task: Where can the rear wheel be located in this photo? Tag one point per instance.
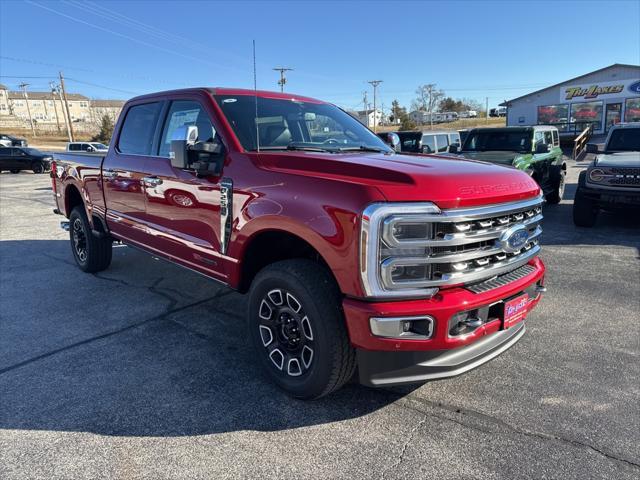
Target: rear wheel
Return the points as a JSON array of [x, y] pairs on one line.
[[297, 327], [37, 167], [585, 210], [92, 254], [14, 171]]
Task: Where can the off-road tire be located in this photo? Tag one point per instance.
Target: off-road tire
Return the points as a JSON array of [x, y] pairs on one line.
[[557, 178], [585, 210], [333, 359], [92, 254]]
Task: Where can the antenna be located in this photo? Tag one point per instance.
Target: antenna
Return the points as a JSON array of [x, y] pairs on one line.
[[255, 92]]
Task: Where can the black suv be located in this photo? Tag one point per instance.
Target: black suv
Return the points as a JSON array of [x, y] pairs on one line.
[[15, 159]]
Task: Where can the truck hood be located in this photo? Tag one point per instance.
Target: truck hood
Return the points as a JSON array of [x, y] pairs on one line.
[[619, 159], [448, 182], [494, 156]]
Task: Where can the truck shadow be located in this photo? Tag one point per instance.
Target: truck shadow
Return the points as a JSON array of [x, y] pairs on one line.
[[187, 369]]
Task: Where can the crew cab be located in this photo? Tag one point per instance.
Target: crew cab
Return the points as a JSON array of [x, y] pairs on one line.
[[612, 180], [409, 267], [534, 150]]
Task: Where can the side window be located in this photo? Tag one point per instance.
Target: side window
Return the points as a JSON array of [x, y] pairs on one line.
[[5, 151], [547, 137], [74, 147], [455, 139], [443, 142], [538, 138], [185, 112], [428, 144], [556, 140], [136, 137]]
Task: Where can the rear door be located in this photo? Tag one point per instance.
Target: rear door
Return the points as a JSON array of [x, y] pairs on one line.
[[183, 210], [123, 172], [442, 143]]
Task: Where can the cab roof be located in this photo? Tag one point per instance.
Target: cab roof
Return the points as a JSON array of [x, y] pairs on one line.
[[232, 92]]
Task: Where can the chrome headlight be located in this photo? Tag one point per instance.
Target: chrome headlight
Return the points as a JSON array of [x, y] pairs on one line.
[[393, 243]]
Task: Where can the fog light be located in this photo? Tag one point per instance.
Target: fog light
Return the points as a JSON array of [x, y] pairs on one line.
[[416, 328]]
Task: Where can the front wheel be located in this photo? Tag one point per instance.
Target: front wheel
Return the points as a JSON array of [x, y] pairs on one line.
[[37, 167], [297, 327], [585, 210], [14, 171], [92, 254]]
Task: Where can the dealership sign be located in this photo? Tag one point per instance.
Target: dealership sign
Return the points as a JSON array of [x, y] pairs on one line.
[[593, 91]]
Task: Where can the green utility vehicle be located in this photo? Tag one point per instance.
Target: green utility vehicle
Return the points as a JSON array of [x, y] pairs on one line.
[[535, 150]]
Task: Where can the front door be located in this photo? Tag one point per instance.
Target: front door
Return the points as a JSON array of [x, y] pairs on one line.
[[124, 170], [183, 210], [613, 115]]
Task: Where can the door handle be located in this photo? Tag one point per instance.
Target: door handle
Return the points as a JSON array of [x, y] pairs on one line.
[[151, 181], [109, 174]]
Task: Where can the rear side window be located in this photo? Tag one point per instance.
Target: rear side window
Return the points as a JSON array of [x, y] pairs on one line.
[[455, 139], [5, 151], [74, 147], [443, 142], [136, 137], [428, 144]]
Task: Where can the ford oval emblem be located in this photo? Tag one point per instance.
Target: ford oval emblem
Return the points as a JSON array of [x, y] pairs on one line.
[[514, 238], [635, 87]]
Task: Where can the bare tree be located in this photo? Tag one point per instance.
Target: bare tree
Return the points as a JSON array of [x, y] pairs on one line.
[[427, 97]]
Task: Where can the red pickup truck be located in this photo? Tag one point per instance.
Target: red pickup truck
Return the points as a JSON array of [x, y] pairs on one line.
[[405, 268]]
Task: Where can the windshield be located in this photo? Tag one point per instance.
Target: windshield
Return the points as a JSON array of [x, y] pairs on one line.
[[505, 141], [624, 140], [100, 146], [289, 124]]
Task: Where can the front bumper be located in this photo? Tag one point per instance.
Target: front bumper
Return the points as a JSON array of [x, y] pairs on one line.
[[391, 361], [612, 197]]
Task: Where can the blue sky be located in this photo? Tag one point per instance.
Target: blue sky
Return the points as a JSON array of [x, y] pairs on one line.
[[499, 49]]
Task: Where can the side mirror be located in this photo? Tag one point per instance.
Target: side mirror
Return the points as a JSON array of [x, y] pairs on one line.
[[453, 148], [90, 149], [542, 148], [183, 137], [592, 148]]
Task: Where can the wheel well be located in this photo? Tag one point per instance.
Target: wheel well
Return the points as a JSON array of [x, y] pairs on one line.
[[273, 246], [72, 199]]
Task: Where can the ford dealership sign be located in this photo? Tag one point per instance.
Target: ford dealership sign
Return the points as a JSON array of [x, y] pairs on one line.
[[635, 88]]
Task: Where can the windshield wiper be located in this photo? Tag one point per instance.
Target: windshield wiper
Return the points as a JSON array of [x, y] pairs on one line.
[[296, 147], [365, 148]]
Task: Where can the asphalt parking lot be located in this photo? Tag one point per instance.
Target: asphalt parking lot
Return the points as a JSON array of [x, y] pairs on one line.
[[145, 371]]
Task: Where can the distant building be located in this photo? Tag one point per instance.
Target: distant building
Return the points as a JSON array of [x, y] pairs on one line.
[[600, 98], [370, 118], [110, 108], [47, 109], [423, 118]]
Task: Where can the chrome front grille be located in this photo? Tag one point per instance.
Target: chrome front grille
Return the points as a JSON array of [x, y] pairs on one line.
[[469, 245]]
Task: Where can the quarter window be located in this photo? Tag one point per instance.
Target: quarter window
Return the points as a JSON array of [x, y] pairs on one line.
[[428, 144], [136, 137]]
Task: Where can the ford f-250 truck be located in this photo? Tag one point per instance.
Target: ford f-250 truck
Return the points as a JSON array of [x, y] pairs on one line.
[[409, 268]]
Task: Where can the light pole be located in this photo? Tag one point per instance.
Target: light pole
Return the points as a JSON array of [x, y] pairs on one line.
[[24, 86]]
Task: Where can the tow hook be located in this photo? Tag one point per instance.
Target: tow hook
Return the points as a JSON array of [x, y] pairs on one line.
[[473, 322], [64, 226], [541, 289]]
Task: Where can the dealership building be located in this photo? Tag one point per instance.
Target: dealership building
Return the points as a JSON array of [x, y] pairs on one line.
[[601, 98]]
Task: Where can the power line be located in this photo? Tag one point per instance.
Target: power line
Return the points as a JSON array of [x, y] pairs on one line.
[[102, 86], [127, 37]]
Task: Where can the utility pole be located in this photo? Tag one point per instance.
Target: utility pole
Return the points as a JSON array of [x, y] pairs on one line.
[[55, 108], [283, 78], [24, 86], [66, 106], [375, 84], [64, 115], [430, 108], [486, 114]]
